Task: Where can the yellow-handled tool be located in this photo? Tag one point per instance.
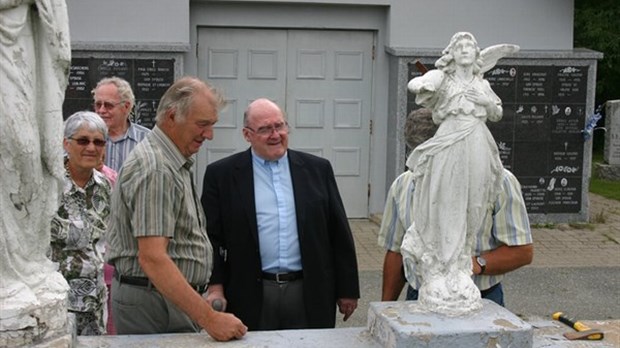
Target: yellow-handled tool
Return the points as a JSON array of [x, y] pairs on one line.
[[584, 332]]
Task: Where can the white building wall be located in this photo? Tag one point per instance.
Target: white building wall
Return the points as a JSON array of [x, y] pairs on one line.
[[532, 24], [129, 23]]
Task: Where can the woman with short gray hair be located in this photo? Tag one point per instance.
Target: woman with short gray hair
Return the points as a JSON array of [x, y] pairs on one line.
[[77, 231]]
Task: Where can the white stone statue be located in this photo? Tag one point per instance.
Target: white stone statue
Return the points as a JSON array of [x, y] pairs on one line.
[[457, 174], [35, 57]]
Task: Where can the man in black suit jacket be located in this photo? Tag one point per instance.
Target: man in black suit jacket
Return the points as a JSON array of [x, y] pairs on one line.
[[284, 252]]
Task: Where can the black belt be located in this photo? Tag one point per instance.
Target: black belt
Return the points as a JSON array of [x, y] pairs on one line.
[[146, 282], [283, 277]]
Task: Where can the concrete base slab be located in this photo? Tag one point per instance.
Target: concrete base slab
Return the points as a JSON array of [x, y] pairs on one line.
[[404, 324], [547, 334], [325, 338]]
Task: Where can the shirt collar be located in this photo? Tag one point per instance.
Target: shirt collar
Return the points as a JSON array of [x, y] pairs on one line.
[[258, 159], [170, 150], [97, 178], [131, 132]]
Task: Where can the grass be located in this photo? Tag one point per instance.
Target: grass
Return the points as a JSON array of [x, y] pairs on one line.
[[606, 188]]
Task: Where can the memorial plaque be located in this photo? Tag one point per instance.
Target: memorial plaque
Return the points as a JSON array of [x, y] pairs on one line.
[[149, 79], [533, 84], [503, 80], [111, 67], [535, 194], [79, 80], [564, 194], [540, 136], [531, 122], [530, 158], [570, 84], [152, 78]]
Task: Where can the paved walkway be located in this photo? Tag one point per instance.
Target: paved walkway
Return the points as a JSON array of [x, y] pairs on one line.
[[596, 244]]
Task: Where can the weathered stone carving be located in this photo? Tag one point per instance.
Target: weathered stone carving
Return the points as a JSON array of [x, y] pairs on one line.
[[457, 174], [35, 57]]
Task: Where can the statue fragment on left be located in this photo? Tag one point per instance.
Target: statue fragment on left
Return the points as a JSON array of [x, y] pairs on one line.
[[35, 58]]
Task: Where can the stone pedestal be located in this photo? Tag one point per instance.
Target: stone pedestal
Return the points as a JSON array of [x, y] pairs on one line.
[[610, 170], [402, 324], [611, 152], [36, 317]]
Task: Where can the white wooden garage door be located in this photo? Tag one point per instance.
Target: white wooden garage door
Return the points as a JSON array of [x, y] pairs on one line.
[[321, 78]]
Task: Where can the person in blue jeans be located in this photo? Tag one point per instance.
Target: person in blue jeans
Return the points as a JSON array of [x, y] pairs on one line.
[[503, 244]]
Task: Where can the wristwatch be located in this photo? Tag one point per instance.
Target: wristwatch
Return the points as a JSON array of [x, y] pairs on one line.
[[482, 263]]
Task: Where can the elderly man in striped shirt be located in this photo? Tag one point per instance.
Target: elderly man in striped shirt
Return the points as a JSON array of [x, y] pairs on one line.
[[157, 230], [503, 245]]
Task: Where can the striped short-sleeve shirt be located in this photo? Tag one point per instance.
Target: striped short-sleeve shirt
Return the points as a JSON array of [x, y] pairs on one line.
[[508, 223], [118, 150], [155, 196]]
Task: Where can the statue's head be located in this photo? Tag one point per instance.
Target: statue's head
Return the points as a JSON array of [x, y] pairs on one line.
[[446, 62], [461, 35]]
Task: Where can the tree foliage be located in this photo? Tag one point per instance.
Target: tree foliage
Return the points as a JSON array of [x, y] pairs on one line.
[[597, 27]]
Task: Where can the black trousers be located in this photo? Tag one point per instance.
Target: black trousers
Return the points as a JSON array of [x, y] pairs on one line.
[[283, 306]]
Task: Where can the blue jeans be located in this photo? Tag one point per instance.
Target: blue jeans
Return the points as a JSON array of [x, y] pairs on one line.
[[494, 293]]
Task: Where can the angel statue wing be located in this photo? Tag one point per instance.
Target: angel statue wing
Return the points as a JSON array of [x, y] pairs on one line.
[[490, 55]]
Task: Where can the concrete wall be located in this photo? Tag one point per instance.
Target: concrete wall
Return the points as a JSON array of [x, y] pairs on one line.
[[430, 23], [130, 25], [411, 23], [532, 24]]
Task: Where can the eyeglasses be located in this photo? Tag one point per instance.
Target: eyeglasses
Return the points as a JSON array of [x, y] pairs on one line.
[[106, 105], [86, 142], [267, 130]]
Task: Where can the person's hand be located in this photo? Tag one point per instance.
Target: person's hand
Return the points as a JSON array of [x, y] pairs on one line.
[[224, 326], [215, 297], [221, 326], [347, 306], [475, 267]]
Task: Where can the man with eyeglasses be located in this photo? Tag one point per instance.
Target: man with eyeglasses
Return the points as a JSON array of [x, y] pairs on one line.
[[113, 101], [157, 230], [284, 256]]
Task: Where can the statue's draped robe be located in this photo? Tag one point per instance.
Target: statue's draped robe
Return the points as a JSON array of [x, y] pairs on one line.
[[458, 176], [35, 57]]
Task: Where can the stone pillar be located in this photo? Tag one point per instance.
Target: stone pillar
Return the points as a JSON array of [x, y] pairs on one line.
[[610, 170], [612, 136], [35, 56]]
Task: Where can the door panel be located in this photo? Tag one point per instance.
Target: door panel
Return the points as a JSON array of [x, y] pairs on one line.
[[328, 97], [323, 81], [244, 64]]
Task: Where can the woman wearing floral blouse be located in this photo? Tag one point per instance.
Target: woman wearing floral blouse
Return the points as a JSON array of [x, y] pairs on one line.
[[77, 236]]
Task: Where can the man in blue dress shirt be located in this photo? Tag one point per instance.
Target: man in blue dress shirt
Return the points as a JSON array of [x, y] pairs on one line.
[[284, 252]]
